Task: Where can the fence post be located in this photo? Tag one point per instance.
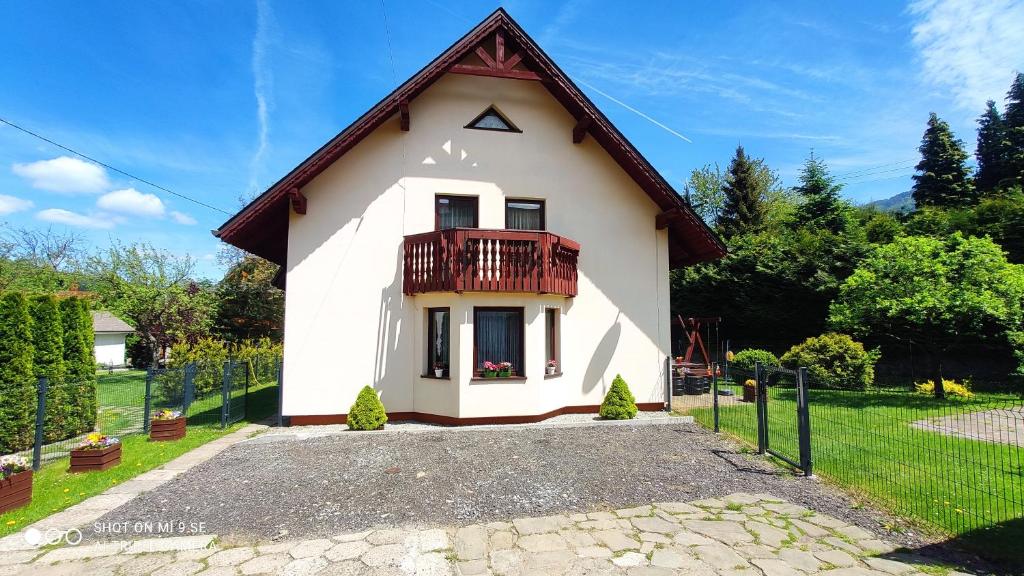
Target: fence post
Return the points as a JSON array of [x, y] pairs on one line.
[[668, 383], [225, 394], [148, 403], [714, 392], [760, 403], [245, 401], [189, 394], [804, 422], [280, 393], [37, 445]]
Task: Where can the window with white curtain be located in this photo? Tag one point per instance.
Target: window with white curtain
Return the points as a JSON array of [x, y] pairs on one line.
[[455, 212], [524, 214], [498, 337]]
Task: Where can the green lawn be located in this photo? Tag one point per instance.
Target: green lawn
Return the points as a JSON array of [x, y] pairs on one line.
[[969, 489], [54, 489]]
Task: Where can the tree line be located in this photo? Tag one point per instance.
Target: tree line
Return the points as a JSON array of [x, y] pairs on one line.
[[154, 290], [43, 337], [943, 278]]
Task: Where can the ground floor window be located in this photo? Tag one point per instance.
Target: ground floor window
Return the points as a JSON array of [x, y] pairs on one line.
[[498, 337], [437, 341], [553, 363]]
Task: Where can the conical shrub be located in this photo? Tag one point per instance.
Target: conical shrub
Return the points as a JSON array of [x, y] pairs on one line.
[[619, 403], [17, 377], [368, 411], [48, 362]]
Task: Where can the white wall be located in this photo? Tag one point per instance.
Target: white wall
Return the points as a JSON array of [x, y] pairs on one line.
[[109, 348], [347, 323]]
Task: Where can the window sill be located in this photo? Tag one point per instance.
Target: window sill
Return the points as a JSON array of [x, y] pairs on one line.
[[432, 377], [550, 376], [498, 379]]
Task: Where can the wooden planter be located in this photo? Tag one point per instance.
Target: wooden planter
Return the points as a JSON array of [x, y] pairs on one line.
[[85, 460], [15, 491], [749, 393], [160, 430]]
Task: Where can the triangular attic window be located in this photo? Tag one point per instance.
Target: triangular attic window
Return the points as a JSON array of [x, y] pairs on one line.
[[491, 119]]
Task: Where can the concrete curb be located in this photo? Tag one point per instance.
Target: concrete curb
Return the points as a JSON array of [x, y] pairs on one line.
[[304, 432]]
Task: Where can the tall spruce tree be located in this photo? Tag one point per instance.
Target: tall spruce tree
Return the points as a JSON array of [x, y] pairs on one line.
[[822, 207], [943, 178], [48, 362], [1014, 121], [745, 192], [17, 382], [992, 150]]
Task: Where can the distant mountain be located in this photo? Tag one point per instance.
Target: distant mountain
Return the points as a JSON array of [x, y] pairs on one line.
[[902, 202]]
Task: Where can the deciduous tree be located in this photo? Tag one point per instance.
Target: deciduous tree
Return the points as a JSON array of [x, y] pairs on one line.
[[935, 293]]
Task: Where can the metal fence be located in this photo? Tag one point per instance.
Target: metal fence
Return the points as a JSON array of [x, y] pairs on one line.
[[209, 394], [953, 465]]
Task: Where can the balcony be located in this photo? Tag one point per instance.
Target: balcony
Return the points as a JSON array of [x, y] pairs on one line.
[[475, 260]]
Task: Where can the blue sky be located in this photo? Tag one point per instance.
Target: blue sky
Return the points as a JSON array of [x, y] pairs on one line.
[[216, 100]]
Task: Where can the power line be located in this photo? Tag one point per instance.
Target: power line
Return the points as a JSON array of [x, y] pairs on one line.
[[873, 168], [111, 168], [867, 175]]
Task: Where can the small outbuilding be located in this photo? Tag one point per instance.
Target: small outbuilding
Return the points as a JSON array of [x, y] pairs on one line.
[[110, 333]]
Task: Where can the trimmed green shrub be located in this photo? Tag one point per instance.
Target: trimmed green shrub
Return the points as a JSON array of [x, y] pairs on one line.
[[619, 403], [48, 362], [17, 379], [834, 361], [368, 411], [744, 360], [79, 364]]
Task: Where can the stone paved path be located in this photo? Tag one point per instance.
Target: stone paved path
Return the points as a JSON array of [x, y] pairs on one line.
[[1005, 426], [736, 535]]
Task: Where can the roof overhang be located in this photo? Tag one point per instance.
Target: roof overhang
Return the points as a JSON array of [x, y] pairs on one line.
[[262, 226]]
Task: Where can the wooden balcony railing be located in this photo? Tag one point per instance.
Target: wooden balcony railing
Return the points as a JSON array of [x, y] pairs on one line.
[[475, 260]]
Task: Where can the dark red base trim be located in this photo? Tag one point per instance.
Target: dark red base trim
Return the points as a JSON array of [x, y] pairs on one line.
[[321, 419]]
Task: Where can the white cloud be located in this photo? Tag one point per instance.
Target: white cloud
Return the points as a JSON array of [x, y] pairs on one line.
[[132, 202], [61, 216], [971, 48], [64, 174], [182, 218], [263, 85], [11, 204]]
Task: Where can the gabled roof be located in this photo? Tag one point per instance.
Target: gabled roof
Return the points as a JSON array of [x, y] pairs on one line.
[[261, 227], [106, 322]]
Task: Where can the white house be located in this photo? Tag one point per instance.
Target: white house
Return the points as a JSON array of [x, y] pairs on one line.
[[484, 211], [109, 332]]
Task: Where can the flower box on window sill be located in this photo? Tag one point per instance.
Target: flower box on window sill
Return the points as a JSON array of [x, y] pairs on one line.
[[484, 378], [15, 491]]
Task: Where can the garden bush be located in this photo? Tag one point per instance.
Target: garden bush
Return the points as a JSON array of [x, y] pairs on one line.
[[368, 411], [79, 364], [834, 361], [48, 362], [209, 356], [17, 379], [744, 360], [619, 403], [952, 388]]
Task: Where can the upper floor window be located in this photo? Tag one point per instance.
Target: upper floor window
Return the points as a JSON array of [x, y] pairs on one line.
[[491, 119], [524, 214], [455, 212]]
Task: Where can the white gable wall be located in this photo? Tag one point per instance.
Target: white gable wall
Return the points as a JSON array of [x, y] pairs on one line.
[[109, 348], [347, 323]]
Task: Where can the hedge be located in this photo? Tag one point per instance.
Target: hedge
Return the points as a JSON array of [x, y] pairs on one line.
[[80, 364], [17, 380], [48, 362]]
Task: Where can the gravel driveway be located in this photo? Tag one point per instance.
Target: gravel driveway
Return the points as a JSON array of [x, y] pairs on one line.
[[279, 485]]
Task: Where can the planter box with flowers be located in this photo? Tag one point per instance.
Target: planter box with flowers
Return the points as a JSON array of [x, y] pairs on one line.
[[15, 483], [499, 370], [167, 425], [750, 391], [439, 369], [96, 452]]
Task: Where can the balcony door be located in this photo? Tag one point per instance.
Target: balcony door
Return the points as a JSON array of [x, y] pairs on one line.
[[456, 212]]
